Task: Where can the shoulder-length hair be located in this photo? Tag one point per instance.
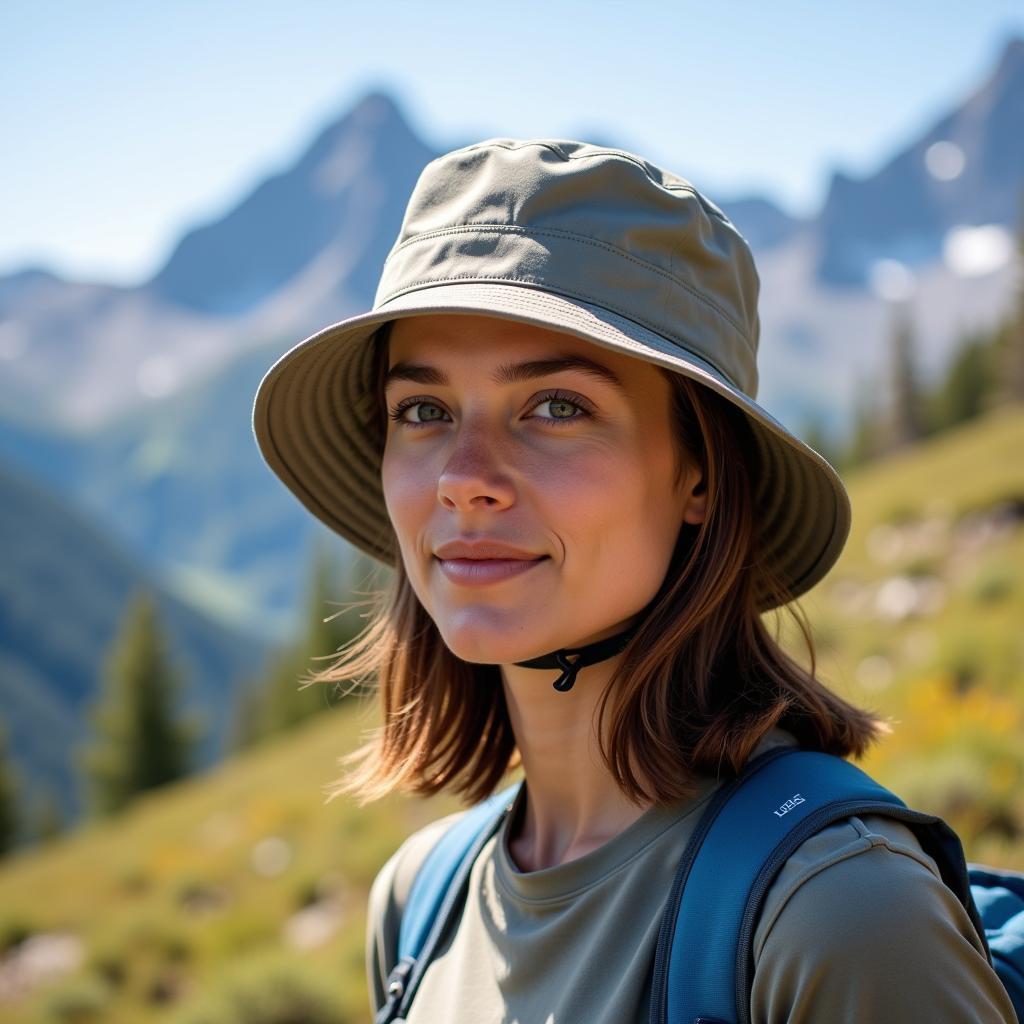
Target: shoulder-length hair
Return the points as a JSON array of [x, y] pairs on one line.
[[697, 687]]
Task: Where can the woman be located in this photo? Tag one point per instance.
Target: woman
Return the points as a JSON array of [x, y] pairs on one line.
[[547, 426]]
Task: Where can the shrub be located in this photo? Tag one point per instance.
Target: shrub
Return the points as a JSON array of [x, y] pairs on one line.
[[993, 583], [81, 999], [268, 988], [13, 931]]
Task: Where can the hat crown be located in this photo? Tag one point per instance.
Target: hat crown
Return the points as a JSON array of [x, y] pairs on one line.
[[589, 222]]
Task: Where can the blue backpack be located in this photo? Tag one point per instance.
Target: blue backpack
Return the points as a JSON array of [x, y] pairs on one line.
[[707, 925]]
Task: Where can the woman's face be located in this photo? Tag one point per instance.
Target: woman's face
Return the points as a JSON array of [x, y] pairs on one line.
[[576, 474]]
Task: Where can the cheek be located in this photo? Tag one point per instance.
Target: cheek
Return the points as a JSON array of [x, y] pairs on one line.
[[408, 499], [407, 496], [626, 517]]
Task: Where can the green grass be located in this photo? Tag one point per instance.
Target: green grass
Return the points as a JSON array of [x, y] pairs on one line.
[[132, 888]]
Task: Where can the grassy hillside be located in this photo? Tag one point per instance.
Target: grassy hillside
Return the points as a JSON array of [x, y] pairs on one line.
[[229, 882], [921, 620], [207, 880]]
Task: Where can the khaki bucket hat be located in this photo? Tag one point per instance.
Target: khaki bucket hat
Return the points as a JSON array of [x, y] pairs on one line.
[[593, 241]]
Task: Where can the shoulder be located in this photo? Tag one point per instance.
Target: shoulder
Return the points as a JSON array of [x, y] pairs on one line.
[[394, 879], [388, 896], [858, 925], [880, 851]]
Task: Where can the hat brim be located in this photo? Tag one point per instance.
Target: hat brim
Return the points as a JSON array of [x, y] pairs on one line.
[[314, 422]]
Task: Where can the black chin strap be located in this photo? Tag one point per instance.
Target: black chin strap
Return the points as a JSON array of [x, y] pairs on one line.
[[581, 657]]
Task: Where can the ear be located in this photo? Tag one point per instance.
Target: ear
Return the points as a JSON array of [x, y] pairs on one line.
[[695, 499]]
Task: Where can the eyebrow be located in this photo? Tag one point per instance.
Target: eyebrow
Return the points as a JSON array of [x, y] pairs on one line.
[[508, 373]]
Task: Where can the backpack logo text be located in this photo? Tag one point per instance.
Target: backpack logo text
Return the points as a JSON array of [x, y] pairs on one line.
[[792, 802]]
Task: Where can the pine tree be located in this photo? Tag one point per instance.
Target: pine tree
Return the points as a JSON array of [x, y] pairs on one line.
[[138, 743], [968, 385], [1011, 347], [9, 815], [906, 423], [815, 435], [1014, 355], [47, 819], [864, 442], [282, 697], [285, 704], [331, 620], [248, 718]]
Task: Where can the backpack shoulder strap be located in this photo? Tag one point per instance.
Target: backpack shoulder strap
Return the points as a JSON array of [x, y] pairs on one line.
[[437, 890], [704, 963]]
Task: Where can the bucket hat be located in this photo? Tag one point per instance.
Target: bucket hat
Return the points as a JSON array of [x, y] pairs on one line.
[[589, 240]]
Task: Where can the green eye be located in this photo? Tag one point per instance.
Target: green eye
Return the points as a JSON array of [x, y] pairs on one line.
[[420, 406], [563, 408], [398, 412]]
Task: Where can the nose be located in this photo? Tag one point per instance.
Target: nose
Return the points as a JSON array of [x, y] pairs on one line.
[[472, 476]]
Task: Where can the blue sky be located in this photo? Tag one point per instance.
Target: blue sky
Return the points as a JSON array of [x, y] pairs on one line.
[[125, 123]]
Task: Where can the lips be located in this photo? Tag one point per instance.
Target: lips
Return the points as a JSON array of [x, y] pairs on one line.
[[476, 572], [483, 549], [480, 562]]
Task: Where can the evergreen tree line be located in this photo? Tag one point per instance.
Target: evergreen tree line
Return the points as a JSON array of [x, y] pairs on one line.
[[987, 370], [280, 699], [139, 738]]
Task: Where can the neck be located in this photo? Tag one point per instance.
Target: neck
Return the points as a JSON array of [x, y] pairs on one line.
[[572, 803]]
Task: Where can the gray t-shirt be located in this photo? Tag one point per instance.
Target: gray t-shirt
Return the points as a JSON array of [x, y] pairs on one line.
[[857, 927]]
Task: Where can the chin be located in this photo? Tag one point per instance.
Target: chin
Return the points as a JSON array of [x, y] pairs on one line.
[[492, 646], [487, 653]]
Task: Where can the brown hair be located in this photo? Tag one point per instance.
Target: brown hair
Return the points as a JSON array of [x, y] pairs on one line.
[[698, 686]]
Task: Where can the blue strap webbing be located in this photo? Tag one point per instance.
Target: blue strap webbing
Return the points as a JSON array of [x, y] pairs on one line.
[[434, 896], [435, 876]]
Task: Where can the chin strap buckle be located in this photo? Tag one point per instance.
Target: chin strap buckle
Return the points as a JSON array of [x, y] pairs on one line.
[[569, 669], [589, 654]]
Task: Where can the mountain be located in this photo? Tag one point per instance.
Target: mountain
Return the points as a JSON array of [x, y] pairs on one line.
[[763, 224], [74, 352], [933, 230], [823, 348], [63, 589], [304, 249], [181, 484], [967, 169], [337, 209]]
